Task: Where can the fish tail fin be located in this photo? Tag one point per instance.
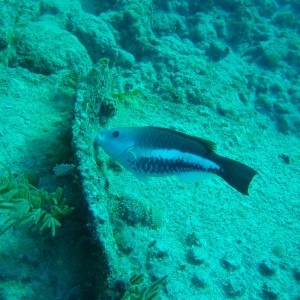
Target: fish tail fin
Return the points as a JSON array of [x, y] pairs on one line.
[[236, 174]]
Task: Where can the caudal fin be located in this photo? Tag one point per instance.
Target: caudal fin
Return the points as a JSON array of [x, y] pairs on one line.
[[235, 173]]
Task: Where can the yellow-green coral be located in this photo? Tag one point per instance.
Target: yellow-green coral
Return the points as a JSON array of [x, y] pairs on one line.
[[135, 98], [130, 98], [138, 291], [28, 204]]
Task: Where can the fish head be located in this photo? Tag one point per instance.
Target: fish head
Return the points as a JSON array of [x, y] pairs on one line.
[[115, 142]]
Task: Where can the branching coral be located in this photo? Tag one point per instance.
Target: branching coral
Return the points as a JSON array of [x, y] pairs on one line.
[[28, 204]]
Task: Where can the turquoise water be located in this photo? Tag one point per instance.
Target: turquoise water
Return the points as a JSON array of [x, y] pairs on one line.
[[225, 71]]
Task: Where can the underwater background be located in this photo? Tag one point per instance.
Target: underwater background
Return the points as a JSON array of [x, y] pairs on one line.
[[76, 225]]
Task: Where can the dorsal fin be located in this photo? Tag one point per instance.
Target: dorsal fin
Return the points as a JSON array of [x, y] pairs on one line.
[[206, 143], [209, 144]]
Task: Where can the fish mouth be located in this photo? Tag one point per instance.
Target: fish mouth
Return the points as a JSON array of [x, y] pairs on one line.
[[99, 139]]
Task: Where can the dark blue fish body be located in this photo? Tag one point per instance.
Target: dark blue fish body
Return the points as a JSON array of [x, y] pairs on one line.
[[154, 151]]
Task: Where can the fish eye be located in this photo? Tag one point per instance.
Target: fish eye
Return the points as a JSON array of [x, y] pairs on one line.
[[116, 133]]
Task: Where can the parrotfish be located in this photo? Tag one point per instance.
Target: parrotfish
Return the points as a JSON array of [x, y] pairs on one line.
[[155, 151]]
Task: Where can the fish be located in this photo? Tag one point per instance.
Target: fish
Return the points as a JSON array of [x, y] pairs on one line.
[[156, 151]]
